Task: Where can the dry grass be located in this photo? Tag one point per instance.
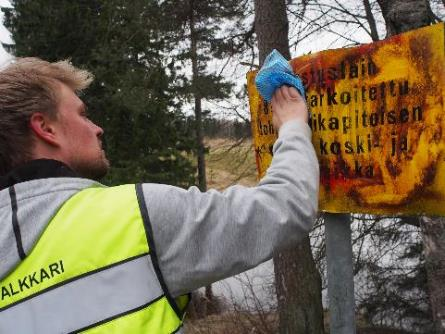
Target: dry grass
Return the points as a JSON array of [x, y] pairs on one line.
[[230, 162], [244, 323], [232, 323], [248, 323]]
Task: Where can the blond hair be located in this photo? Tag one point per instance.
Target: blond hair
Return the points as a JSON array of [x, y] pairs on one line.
[[27, 86]]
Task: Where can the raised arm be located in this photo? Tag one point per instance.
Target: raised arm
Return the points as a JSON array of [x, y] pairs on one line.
[[204, 237]]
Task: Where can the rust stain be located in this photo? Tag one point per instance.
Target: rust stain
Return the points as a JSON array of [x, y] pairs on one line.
[[376, 118], [393, 168]]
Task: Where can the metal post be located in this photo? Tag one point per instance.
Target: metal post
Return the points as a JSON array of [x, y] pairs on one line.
[[340, 274]]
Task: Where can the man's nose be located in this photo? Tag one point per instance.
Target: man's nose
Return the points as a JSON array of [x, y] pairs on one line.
[[99, 130]]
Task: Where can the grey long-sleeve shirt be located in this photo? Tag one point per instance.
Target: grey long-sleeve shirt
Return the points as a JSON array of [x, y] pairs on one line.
[[199, 237], [204, 237]]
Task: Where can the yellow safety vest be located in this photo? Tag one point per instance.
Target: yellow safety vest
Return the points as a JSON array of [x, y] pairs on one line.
[[93, 270]]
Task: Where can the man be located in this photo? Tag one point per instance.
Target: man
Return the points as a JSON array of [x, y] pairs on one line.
[[76, 256]]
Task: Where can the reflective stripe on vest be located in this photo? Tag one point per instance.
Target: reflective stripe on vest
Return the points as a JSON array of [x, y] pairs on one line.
[[92, 271]]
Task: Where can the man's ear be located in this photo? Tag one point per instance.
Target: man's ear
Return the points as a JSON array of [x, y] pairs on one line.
[[43, 127]]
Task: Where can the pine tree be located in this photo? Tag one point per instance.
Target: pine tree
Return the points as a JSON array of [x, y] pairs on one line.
[[195, 25], [132, 97]]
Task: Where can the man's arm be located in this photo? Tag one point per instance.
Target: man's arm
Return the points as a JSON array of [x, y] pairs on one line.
[[204, 237]]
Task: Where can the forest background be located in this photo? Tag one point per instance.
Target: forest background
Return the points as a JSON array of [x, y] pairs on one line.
[[170, 78]]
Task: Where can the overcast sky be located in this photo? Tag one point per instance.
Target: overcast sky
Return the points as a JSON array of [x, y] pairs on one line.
[[5, 36]]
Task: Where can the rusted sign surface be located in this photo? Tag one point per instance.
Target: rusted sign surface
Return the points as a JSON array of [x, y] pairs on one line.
[[378, 124]]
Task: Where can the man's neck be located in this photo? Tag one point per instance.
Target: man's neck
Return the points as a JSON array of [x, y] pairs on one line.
[[36, 169]]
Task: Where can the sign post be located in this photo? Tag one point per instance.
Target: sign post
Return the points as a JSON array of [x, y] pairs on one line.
[[378, 128], [340, 273]]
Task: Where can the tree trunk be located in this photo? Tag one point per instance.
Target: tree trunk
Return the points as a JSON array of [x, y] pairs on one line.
[[404, 15], [433, 235], [202, 182], [202, 179], [371, 21], [298, 285], [401, 16], [297, 280], [271, 27]]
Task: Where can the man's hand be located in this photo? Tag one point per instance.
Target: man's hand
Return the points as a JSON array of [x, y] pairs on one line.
[[287, 105]]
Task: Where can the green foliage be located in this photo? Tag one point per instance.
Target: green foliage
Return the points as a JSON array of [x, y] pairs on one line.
[[133, 96], [209, 19], [193, 27], [196, 29]]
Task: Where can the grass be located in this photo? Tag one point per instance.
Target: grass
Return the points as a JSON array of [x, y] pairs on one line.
[[230, 162], [232, 323]]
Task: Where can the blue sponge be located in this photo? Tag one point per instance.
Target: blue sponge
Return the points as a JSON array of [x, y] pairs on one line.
[[275, 73]]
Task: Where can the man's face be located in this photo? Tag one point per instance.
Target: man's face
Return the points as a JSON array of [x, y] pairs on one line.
[[79, 137]]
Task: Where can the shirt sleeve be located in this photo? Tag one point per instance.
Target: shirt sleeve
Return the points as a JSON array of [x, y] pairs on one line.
[[201, 238]]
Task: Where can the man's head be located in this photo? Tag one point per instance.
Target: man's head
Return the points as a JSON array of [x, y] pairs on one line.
[[42, 117]]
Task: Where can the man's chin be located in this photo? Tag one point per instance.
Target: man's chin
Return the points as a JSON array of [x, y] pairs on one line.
[[103, 170], [94, 171]]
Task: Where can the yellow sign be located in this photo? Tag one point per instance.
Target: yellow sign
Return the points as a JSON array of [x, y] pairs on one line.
[[377, 121]]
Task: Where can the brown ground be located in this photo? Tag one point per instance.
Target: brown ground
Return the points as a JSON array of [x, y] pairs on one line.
[[244, 323], [230, 162]]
